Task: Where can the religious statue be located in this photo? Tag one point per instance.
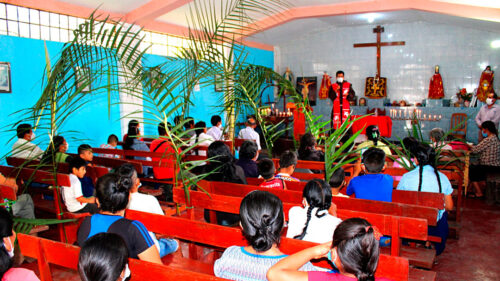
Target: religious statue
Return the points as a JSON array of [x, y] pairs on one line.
[[325, 86], [288, 75], [485, 84], [436, 89], [340, 94], [362, 102]]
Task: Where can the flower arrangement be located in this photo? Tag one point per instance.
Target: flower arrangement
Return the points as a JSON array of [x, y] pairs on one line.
[[463, 95]]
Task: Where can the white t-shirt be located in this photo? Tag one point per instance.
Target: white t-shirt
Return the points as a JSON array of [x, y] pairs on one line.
[[148, 204], [215, 132], [250, 134], [203, 140], [26, 150], [70, 193], [319, 230]]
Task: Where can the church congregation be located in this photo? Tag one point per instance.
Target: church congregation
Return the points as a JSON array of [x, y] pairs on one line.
[[192, 140]]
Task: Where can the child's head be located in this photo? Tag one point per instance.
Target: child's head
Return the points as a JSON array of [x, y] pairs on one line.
[[288, 161], [162, 131], [248, 150], [357, 248], [337, 180], [201, 127], [85, 152], [372, 133], [216, 120], [262, 219], [374, 160], [112, 192], [103, 256], [317, 194], [436, 135], [189, 123], [77, 167], [266, 168], [113, 140]]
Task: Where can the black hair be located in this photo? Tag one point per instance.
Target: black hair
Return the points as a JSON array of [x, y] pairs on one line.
[[113, 138], [266, 168], [307, 143], [48, 156], [411, 144], [22, 130], [162, 131], [132, 133], [337, 178], [199, 128], [112, 191], [426, 155], [189, 121], [357, 247], [251, 120], [103, 257], [495, 95], [374, 159], [221, 164], [318, 195], [262, 219], [248, 150], [287, 159], [215, 119], [83, 147], [490, 126], [177, 120], [6, 224], [373, 134], [127, 170], [76, 163], [339, 72]]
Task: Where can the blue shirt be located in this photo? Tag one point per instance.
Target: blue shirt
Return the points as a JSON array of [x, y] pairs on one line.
[[371, 187], [409, 182]]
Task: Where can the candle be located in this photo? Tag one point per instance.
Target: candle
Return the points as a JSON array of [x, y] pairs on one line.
[[425, 117], [440, 116]]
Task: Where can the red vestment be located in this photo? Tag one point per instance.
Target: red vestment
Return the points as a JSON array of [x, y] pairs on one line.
[[485, 85], [340, 101], [436, 89], [325, 86]]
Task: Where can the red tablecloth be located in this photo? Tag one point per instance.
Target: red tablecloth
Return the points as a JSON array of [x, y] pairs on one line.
[[384, 124]]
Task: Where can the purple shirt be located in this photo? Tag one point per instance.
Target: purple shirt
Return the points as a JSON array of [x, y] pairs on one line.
[[488, 114]]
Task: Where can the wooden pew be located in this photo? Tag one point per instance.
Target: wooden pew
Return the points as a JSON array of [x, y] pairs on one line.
[[394, 226], [49, 252]]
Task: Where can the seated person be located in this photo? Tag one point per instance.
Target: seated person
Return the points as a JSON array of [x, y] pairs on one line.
[[148, 204], [373, 185], [201, 138], [56, 152], [373, 136], [288, 161], [73, 196], [163, 145], [308, 150], [216, 131], [23, 207], [354, 251], [249, 152], [23, 147], [133, 141], [316, 220], [85, 153], [436, 136], [262, 222], [337, 182], [267, 171], [104, 255], [8, 236], [425, 177], [409, 144], [189, 126], [111, 144], [249, 133], [112, 198]]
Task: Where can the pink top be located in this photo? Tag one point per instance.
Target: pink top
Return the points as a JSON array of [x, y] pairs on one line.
[[328, 276], [18, 273]]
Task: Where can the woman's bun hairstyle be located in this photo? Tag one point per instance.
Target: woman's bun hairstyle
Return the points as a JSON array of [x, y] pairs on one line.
[[113, 192]]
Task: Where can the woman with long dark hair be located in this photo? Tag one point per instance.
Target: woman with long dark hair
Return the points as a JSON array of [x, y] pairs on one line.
[[307, 149], [374, 140], [132, 141], [56, 152]]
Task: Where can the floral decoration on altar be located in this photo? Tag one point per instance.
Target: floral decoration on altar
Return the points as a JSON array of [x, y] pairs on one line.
[[462, 97]]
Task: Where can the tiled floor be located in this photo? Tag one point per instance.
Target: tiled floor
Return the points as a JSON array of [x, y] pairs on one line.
[[475, 256]]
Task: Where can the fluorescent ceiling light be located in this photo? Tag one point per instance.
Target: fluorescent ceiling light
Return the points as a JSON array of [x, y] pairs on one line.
[[370, 17], [495, 44]]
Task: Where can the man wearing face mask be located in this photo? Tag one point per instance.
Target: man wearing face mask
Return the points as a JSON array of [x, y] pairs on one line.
[[23, 147], [340, 93], [488, 112], [216, 131]]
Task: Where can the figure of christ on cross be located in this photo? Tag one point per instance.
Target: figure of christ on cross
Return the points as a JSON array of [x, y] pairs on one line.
[[371, 88]]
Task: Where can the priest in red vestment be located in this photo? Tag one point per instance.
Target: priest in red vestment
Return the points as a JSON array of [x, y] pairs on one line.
[[436, 89], [485, 84], [325, 86], [340, 93]]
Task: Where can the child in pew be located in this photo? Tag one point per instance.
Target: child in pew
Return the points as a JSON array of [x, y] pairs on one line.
[[267, 171], [148, 204], [104, 256], [262, 221], [249, 152], [425, 177], [85, 153], [111, 144], [8, 236], [316, 220], [337, 182], [73, 196], [308, 150], [354, 252], [288, 162], [112, 197], [373, 185], [373, 135]]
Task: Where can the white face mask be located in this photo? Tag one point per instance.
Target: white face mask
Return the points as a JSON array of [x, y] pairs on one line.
[[340, 79], [126, 274], [489, 101], [32, 136], [11, 252], [220, 126]]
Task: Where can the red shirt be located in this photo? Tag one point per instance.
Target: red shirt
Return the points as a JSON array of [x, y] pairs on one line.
[[163, 146], [274, 183]]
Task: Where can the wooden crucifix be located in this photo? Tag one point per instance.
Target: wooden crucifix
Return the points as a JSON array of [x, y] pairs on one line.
[[376, 87]]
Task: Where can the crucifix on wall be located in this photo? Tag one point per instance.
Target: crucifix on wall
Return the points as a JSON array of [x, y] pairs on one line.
[[376, 87]]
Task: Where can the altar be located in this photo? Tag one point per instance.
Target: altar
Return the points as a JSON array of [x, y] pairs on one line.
[[384, 124]]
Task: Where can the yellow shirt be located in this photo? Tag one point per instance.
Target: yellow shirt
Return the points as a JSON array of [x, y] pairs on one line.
[[381, 145]]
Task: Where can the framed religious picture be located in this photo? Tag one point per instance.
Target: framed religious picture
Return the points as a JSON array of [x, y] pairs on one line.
[[83, 79], [218, 83], [307, 86], [5, 81], [376, 87]]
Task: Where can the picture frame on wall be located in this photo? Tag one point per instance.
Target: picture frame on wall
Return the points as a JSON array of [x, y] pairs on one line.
[[307, 87], [5, 80], [82, 77]]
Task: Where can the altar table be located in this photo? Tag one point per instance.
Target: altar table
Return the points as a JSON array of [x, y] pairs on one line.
[[384, 124]]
